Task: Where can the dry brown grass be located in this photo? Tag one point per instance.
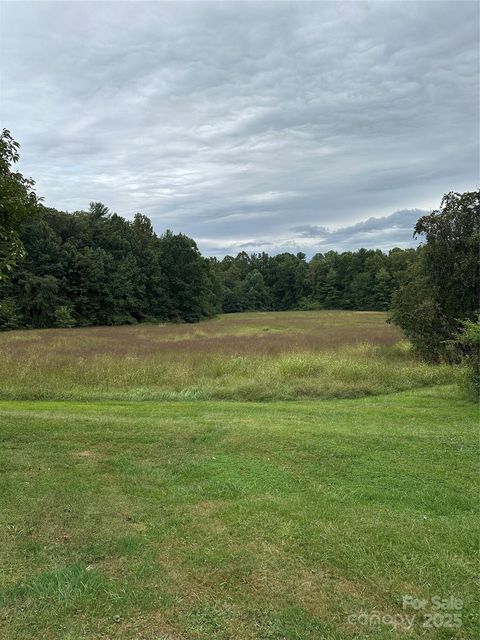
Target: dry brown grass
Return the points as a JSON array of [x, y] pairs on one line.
[[251, 356], [234, 334]]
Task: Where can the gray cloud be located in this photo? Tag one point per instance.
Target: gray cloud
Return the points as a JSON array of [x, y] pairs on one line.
[[400, 222], [247, 124], [395, 230]]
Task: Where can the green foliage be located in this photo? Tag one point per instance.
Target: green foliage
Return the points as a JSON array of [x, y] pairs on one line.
[[64, 317], [307, 304], [417, 312], [467, 341], [363, 280], [10, 317], [108, 270], [188, 285], [285, 276], [38, 298], [442, 287], [96, 268], [18, 202], [254, 292]]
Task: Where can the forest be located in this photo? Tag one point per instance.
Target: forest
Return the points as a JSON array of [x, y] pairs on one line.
[[96, 268]]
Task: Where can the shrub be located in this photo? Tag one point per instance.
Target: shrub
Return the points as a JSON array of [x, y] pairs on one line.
[[467, 342], [9, 316], [307, 304], [64, 317]]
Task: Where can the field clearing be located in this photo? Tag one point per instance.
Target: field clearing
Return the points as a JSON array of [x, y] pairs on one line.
[[211, 520], [139, 504], [250, 356]]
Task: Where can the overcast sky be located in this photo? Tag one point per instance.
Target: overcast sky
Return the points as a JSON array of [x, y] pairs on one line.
[[256, 126]]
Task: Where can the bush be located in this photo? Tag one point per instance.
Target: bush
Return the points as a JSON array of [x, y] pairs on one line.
[[467, 342], [123, 318], [9, 316], [64, 317], [307, 304]]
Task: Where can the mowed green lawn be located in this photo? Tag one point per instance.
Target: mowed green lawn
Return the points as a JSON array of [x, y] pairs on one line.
[[260, 476], [238, 520]]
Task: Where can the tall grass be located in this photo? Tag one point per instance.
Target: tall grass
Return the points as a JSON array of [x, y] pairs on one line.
[[348, 371]]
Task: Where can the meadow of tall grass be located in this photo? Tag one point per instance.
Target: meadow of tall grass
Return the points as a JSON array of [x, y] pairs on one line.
[[270, 356]]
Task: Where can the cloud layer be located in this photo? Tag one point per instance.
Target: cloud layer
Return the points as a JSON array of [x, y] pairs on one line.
[[247, 124]]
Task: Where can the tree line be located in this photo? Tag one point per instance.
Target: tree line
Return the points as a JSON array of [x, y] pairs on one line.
[[361, 280], [94, 267]]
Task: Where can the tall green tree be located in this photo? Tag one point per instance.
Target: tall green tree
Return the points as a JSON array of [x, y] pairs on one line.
[[18, 202], [188, 281], [286, 278], [254, 293], [443, 286]]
